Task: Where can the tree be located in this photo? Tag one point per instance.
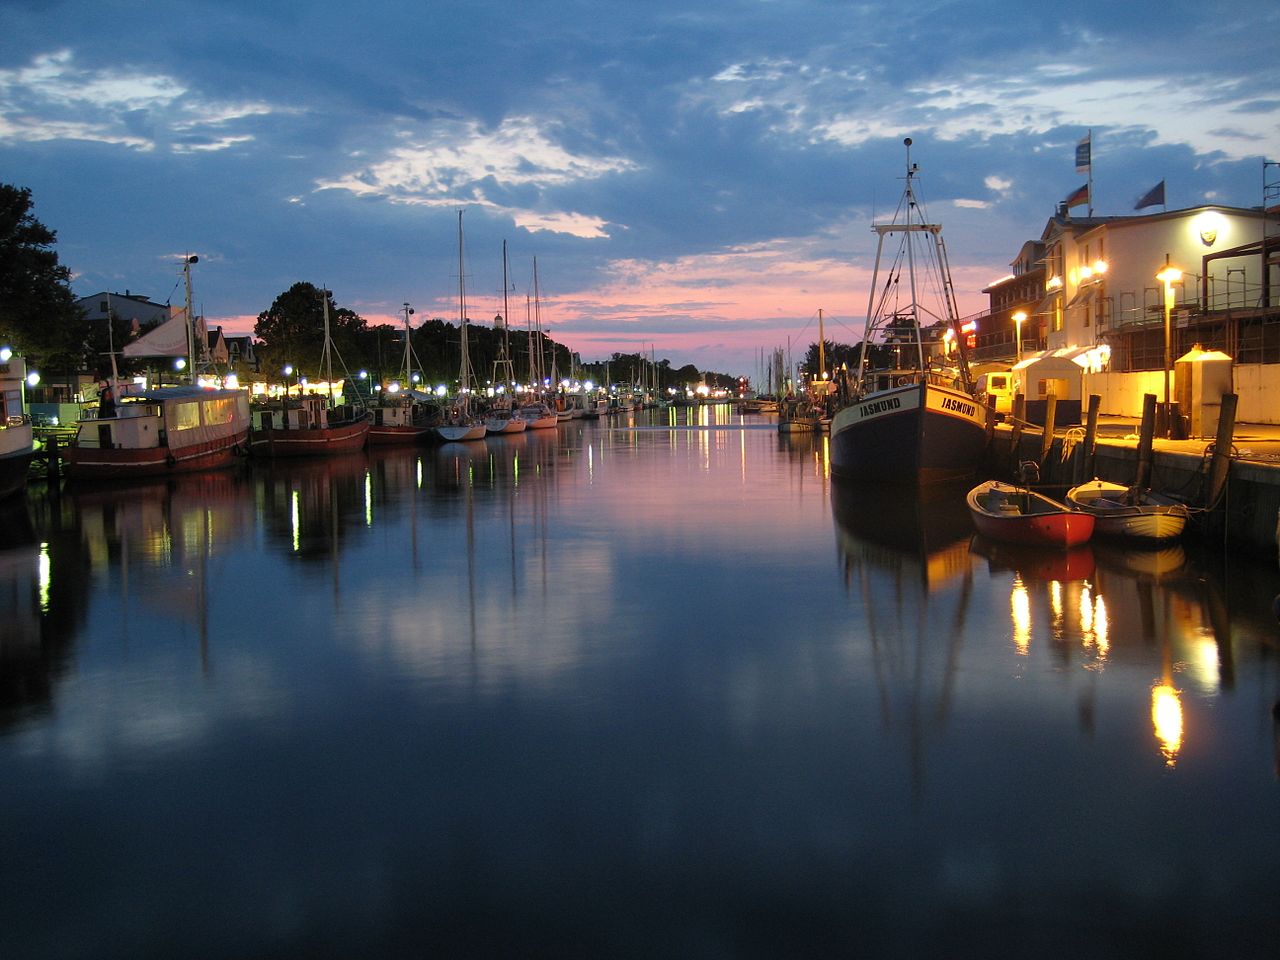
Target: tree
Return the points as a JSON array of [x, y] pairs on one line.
[[38, 312], [292, 332]]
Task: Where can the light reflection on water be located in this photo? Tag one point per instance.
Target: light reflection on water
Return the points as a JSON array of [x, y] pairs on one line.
[[660, 688]]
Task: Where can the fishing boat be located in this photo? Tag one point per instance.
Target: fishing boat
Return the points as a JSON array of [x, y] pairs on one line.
[[159, 430], [1129, 513], [797, 415], [308, 425], [149, 431], [17, 445], [1013, 514], [917, 423], [459, 422], [401, 417]]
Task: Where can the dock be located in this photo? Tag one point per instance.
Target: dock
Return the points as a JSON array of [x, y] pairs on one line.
[[1234, 492]]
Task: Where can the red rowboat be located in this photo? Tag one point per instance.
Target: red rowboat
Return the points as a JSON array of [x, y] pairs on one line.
[[1014, 514]]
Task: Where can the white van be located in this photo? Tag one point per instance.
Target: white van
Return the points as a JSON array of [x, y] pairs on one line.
[[998, 385]]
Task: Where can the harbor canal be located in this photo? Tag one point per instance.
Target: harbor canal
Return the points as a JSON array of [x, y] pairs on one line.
[[650, 687]]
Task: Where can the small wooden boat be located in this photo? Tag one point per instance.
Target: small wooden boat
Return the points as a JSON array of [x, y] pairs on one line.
[[1129, 513], [1014, 514]]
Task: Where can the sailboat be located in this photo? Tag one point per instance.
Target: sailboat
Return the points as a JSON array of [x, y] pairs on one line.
[[536, 414], [309, 425], [16, 444], [502, 417], [917, 423], [154, 431], [459, 422]]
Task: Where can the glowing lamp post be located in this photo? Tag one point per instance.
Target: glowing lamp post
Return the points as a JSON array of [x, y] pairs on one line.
[[1019, 319], [1168, 276]]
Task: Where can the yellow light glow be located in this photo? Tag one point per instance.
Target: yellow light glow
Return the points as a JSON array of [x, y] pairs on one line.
[[1053, 283], [1169, 276], [1210, 227], [1166, 718], [1055, 599], [1100, 266], [1101, 628], [1086, 272], [1020, 611], [45, 576], [1086, 611]]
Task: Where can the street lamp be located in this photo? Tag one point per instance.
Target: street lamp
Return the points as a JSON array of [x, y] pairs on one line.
[[1168, 276], [288, 372], [1019, 319]]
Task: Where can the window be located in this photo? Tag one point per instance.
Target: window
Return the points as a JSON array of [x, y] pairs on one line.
[[186, 415]]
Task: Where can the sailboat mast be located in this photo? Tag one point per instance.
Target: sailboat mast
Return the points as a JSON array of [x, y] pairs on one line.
[[464, 367], [822, 347]]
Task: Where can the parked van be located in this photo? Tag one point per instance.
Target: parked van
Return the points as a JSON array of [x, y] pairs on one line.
[[998, 385]]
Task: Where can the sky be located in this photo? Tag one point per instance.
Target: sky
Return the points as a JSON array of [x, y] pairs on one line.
[[694, 180]]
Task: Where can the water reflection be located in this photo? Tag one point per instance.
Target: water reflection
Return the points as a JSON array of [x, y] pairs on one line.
[[396, 686]]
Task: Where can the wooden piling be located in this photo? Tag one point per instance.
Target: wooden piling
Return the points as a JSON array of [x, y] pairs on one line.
[[1015, 437], [1145, 435], [1084, 465], [53, 460], [1046, 435], [1221, 461]]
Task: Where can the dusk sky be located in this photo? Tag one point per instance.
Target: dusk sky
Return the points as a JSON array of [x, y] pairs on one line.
[[694, 178]]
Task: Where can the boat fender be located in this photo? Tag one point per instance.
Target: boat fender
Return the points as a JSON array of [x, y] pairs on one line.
[[902, 381]]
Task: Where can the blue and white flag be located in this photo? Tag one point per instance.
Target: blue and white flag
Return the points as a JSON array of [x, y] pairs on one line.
[[1083, 157]]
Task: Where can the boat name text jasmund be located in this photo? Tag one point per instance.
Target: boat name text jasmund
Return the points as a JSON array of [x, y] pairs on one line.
[[879, 406], [967, 409]]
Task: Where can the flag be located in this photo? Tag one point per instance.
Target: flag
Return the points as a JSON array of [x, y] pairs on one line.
[[1083, 154], [1151, 197], [1081, 195]]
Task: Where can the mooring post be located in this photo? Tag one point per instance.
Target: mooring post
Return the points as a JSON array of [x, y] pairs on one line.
[[53, 460], [1221, 462], [1145, 434], [1015, 438], [1088, 453], [1046, 436]]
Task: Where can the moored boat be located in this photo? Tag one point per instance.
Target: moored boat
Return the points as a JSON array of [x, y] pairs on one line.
[[161, 430], [918, 423], [460, 423], [1129, 513], [306, 426], [17, 445], [1012, 514], [402, 418], [538, 416]]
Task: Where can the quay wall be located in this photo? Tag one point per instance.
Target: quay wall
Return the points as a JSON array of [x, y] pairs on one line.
[[1256, 385], [1244, 518]]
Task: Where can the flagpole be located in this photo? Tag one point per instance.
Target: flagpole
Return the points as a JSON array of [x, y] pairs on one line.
[[1089, 138]]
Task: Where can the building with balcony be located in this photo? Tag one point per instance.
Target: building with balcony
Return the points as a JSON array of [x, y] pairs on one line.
[[1088, 292]]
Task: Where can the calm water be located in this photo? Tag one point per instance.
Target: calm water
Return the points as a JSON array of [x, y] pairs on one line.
[[657, 691]]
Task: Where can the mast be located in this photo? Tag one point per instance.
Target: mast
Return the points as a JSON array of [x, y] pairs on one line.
[[191, 320], [464, 367], [822, 348], [327, 353]]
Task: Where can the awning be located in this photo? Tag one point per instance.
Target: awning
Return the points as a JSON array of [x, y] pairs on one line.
[[1083, 297]]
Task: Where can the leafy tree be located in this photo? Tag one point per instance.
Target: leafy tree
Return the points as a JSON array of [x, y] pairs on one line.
[[292, 332], [38, 312]]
